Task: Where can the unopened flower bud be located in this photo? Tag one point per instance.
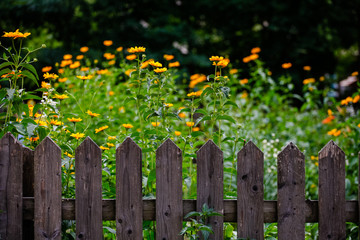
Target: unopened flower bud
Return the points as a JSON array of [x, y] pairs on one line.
[[43, 46]]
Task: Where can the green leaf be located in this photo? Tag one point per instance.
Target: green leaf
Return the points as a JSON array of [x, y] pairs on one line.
[[192, 214], [19, 128], [196, 134], [129, 99], [30, 128], [211, 76], [31, 69], [10, 93], [4, 71], [202, 111], [30, 96], [229, 231], [203, 118], [6, 64], [226, 117], [174, 115], [207, 91], [113, 231], [152, 115], [28, 74], [231, 103]]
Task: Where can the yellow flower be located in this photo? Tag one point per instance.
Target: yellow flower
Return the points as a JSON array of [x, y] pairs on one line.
[[101, 129], [233, 71], [92, 114], [50, 75], [67, 57], [131, 57], [110, 144], [77, 135], [255, 50], [129, 71], [16, 34], [244, 94], [84, 77], [314, 158], [119, 49], [136, 49], [109, 56], [79, 57], [216, 58], [102, 71], [68, 154], [222, 63], [45, 85], [322, 78], [127, 125], [155, 124], [41, 123], [65, 63], [33, 139], [62, 80], [244, 81], [61, 96], [182, 115], [286, 65], [155, 64], [356, 99], [108, 43], [307, 68], [358, 125], [355, 74], [334, 132], [84, 49], [160, 70], [168, 104], [55, 122], [308, 80], [84, 69], [346, 101], [104, 148], [168, 57], [190, 124], [75, 119], [112, 62], [122, 109], [111, 137], [195, 129], [177, 133], [75, 65], [46, 69], [174, 64]]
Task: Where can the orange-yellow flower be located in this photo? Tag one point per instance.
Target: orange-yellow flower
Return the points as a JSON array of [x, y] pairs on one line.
[[50, 75], [110, 144], [286, 65], [68, 154], [79, 57], [155, 124], [75, 65], [46, 69], [160, 70], [67, 57], [222, 63], [101, 129], [65, 63], [244, 81], [136, 49], [108, 43], [233, 71], [322, 78], [307, 68], [16, 34], [346, 101], [104, 148], [84, 69], [55, 122], [174, 64], [77, 135], [61, 96], [111, 137], [308, 80], [155, 64], [75, 119], [84, 77], [109, 56], [112, 62], [195, 129], [84, 49], [168, 104], [355, 74], [119, 49], [168, 57], [334, 132], [177, 133], [129, 71], [62, 80], [127, 125], [190, 124], [216, 58], [102, 71], [328, 119], [33, 139], [45, 85], [255, 50], [92, 114], [356, 99], [131, 57]]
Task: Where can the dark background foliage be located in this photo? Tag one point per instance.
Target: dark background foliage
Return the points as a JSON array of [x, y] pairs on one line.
[[321, 33]]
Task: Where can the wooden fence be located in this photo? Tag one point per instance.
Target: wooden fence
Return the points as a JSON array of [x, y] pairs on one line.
[[31, 203]]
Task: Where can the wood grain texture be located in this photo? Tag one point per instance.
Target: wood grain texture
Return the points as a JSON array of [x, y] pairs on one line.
[[88, 204], [47, 190], [28, 189], [332, 216], [210, 186], [169, 208], [11, 168], [291, 193], [129, 205], [250, 191]]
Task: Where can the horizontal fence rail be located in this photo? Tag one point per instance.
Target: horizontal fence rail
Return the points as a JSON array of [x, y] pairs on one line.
[[31, 203]]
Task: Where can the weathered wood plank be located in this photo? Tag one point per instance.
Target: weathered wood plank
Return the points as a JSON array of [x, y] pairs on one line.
[[11, 168], [210, 186], [169, 208], [129, 205], [28, 189], [88, 191], [332, 217], [47, 190], [291, 193], [250, 191], [359, 188]]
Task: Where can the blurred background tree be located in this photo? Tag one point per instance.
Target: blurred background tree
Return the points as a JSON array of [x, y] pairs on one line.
[[324, 34]]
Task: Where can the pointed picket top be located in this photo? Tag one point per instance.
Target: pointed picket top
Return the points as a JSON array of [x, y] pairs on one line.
[[87, 143], [8, 135], [208, 145], [168, 144], [250, 145], [128, 142], [331, 145], [46, 143], [290, 147]]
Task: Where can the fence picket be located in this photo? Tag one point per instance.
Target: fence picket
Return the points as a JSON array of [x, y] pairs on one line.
[[88, 203], [250, 191], [291, 193], [11, 168], [129, 205], [47, 190], [28, 189], [332, 223], [169, 207], [210, 186]]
